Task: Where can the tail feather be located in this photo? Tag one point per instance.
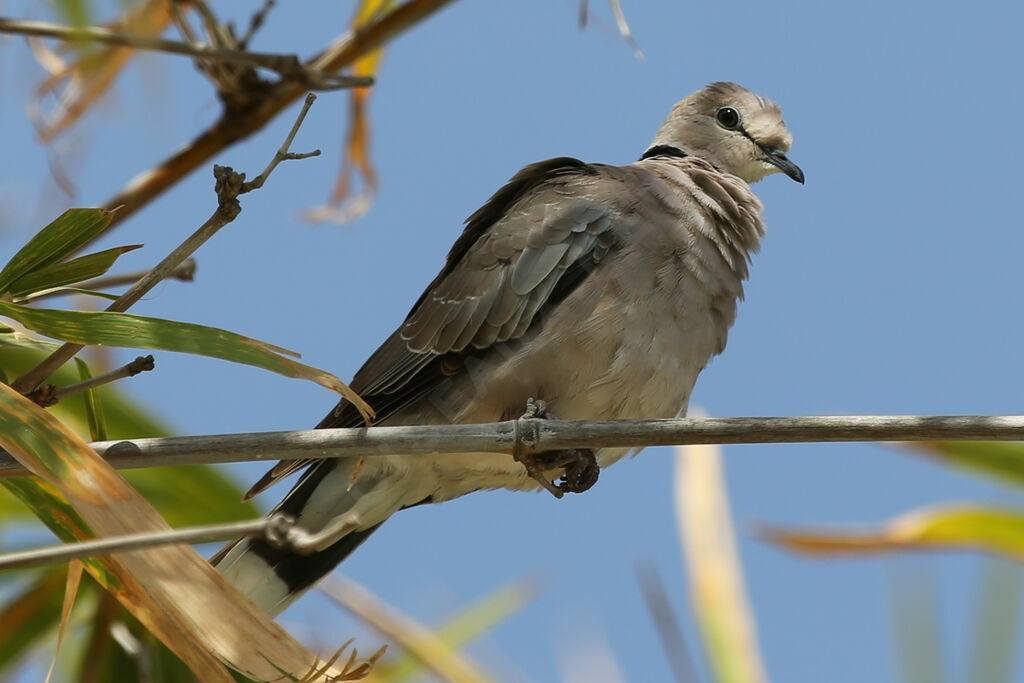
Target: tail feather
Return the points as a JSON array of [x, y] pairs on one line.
[[272, 577]]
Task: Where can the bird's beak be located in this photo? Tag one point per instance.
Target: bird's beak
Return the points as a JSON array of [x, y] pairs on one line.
[[777, 158]]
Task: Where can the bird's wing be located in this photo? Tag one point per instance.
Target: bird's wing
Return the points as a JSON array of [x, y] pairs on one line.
[[531, 244]]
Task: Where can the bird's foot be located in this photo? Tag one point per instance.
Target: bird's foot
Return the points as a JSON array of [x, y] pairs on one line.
[[579, 464]]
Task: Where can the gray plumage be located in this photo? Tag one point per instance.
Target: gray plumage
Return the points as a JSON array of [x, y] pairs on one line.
[[603, 290]]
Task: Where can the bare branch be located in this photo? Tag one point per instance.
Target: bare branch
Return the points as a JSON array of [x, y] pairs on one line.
[[256, 23], [289, 67], [282, 153], [540, 436], [185, 272], [139, 365], [229, 185]]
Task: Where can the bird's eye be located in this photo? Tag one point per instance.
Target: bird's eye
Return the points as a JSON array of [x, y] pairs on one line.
[[728, 117]]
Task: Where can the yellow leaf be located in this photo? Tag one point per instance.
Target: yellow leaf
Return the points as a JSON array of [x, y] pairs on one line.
[[952, 527], [716, 578]]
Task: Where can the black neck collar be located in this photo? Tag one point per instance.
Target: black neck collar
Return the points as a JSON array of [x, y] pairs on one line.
[[664, 151]]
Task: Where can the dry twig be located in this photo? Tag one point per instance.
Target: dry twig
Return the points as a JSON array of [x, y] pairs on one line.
[[289, 67], [229, 185]]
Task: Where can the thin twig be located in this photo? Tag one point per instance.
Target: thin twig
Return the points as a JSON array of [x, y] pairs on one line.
[[545, 435], [229, 185], [289, 67], [282, 153], [148, 539], [256, 23], [140, 364]]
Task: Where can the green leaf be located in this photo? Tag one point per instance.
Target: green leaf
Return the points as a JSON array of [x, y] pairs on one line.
[[93, 406], [31, 615], [917, 628], [123, 329], [61, 291], [190, 495], [1003, 461], [470, 623], [68, 233], [69, 272], [997, 620]]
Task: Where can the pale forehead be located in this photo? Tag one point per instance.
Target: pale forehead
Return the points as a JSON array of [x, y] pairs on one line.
[[723, 93], [762, 118]]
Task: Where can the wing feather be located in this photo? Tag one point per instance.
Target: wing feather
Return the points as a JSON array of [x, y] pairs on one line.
[[511, 259]]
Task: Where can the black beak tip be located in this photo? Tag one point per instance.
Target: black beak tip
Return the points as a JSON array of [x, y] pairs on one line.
[[779, 159]]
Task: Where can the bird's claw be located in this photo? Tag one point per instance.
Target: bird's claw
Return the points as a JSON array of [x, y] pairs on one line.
[[580, 465]]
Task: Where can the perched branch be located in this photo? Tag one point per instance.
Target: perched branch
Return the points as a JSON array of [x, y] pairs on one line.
[[229, 185], [289, 67], [538, 436]]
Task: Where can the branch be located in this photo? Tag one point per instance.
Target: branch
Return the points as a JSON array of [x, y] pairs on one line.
[[237, 124], [289, 67], [139, 365], [229, 185], [538, 436], [147, 539]]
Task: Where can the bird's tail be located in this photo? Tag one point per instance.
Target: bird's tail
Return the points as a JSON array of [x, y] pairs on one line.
[[274, 577]]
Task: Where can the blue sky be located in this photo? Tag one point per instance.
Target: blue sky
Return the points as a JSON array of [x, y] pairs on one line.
[[889, 283]]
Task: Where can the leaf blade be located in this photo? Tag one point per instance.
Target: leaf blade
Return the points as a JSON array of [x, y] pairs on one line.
[[957, 527], [68, 272], [102, 328], [63, 236]]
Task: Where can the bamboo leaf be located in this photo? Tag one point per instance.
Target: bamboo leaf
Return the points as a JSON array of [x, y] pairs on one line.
[[963, 527], [469, 624], [69, 272], [171, 589], [1003, 461], [417, 639], [101, 328], [722, 608], [70, 231]]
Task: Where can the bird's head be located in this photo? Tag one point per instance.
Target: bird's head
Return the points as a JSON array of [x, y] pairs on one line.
[[733, 129]]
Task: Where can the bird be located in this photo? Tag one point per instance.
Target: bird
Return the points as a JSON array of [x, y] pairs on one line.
[[578, 291]]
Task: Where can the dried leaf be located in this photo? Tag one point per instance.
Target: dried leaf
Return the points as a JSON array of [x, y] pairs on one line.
[[417, 639], [78, 85], [74, 578], [345, 204], [171, 589]]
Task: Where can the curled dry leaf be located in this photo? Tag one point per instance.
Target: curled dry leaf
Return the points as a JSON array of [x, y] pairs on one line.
[[345, 204]]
